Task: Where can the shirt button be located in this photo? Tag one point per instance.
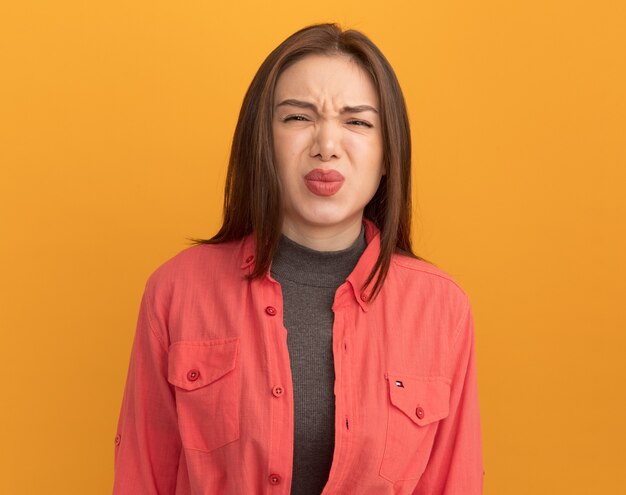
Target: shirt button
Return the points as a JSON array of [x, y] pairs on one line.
[[364, 296], [249, 259], [278, 391], [193, 375], [419, 412], [270, 310], [274, 479], [118, 439]]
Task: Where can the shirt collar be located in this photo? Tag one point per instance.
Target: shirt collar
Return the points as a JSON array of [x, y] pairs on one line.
[[247, 252], [365, 265], [356, 278]]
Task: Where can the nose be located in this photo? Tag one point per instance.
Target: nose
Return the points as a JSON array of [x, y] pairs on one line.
[[326, 143]]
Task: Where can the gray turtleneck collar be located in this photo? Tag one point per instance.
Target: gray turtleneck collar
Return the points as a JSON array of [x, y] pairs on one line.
[[307, 266]]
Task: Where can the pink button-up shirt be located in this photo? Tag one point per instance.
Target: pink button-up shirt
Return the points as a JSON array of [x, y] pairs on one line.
[[208, 405]]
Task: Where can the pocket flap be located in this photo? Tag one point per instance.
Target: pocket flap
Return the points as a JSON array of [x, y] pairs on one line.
[[424, 399], [194, 364]]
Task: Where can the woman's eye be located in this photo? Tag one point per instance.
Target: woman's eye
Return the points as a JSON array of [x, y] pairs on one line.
[[297, 118], [360, 123]]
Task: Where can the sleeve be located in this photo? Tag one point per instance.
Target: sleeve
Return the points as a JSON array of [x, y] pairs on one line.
[[456, 465], [147, 444]]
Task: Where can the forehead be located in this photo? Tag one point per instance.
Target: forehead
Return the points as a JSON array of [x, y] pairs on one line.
[[336, 77]]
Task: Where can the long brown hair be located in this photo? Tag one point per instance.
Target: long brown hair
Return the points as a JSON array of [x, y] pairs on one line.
[[252, 201]]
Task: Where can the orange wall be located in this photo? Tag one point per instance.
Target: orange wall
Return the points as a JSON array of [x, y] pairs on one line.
[[115, 123]]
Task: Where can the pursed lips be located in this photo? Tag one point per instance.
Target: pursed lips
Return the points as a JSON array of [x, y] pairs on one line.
[[323, 183], [322, 175]]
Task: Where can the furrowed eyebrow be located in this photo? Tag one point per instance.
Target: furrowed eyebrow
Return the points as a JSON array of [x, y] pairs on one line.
[[311, 106], [359, 109], [297, 103]]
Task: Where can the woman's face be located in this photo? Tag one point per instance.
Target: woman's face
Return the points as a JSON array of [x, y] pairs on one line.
[[327, 143]]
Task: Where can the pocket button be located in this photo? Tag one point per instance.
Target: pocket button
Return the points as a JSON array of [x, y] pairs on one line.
[[193, 375], [419, 412]]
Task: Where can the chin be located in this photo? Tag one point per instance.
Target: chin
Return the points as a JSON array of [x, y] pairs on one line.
[[326, 218]]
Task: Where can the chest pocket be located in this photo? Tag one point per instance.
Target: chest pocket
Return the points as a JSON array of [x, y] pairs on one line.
[[206, 374], [416, 405]]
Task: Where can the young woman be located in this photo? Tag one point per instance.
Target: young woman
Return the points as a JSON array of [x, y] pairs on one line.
[[305, 349]]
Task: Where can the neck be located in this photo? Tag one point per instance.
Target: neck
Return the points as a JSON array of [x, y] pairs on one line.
[[324, 238]]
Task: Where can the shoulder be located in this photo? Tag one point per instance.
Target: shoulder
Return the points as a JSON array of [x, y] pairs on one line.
[[426, 281], [200, 263], [425, 270]]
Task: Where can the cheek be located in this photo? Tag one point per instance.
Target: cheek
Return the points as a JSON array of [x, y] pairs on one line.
[[286, 167], [280, 144], [366, 154], [376, 154], [369, 142], [290, 139]]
